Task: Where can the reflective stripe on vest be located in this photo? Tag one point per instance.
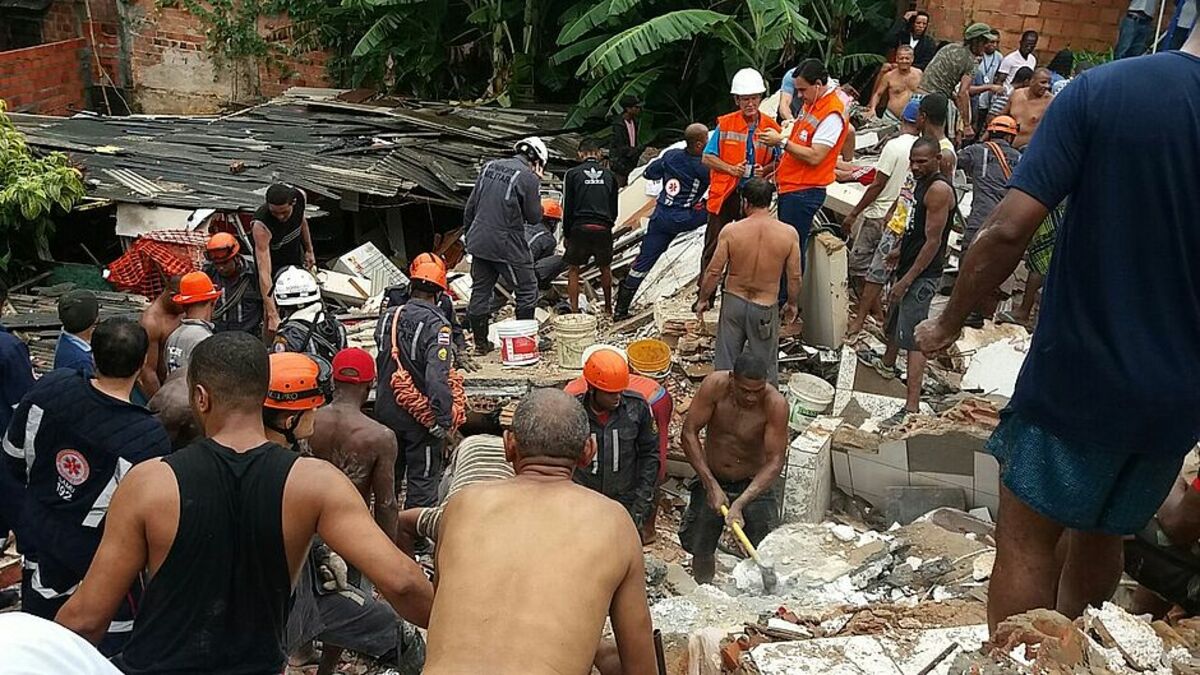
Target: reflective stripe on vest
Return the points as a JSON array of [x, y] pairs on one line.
[[795, 175], [732, 132]]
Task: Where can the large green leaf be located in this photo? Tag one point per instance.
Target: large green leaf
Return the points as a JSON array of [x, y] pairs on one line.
[[595, 16], [638, 41], [580, 48], [387, 25], [619, 7], [776, 22]]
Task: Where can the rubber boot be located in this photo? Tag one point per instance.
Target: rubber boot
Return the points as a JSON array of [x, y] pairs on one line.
[[624, 300], [479, 330]]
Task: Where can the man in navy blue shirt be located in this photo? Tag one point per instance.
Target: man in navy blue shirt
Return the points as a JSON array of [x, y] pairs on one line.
[[1108, 401], [680, 208], [16, 377], [71, 441], [78, 311]]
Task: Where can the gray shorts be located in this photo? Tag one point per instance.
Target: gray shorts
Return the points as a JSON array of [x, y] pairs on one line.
[[878, 273], [751, 327], [865, 244], [912, 309]]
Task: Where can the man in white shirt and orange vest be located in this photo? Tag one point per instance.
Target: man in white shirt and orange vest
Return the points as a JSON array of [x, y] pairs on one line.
[[736, 153], [810, 152]]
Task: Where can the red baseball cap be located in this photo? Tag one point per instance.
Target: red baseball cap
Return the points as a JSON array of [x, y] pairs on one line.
[[353, 365]]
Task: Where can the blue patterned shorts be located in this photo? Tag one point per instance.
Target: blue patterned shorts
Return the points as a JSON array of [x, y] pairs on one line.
[[1079, 485]]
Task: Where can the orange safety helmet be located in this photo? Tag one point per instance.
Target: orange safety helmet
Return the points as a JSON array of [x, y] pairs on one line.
[[430, 269], [195, 288], [221, 247], [606, 370], [294, 383], [551, 209], [1004, 125]]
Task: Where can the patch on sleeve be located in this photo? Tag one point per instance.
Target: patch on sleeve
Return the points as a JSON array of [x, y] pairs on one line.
[[444, 335], [442, 354]]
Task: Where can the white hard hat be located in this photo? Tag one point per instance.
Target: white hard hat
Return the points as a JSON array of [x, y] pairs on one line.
[[587, 353], [296, 287], [533, 148], [747, 82]]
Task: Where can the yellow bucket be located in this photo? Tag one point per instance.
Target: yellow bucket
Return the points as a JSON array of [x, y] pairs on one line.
[[649, 357]]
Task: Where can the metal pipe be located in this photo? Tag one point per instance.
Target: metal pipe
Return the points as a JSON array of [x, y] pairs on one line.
[[659, 654]]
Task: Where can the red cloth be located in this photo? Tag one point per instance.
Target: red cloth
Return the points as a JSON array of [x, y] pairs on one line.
[[153, 257]]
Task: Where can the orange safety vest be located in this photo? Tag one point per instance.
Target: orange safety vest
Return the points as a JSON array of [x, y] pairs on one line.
[[795, 175], [731, 146]]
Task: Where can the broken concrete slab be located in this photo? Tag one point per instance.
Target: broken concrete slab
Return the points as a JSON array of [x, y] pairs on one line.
[[905, 653], [994, 368], [826, 294]]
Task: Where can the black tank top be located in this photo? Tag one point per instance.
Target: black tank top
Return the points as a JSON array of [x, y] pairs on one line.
[[914, 234], [219, 602]]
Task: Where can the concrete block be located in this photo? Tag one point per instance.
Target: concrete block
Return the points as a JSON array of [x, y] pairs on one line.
[[841, 470], [987, 474], [905, 504], [809, 484], [869, 476], [951, 452], [826, 294]]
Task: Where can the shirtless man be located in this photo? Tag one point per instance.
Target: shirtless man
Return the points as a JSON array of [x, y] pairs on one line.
[[1028, 106], [171, 406], [362, 448], [896, 85], [231, 501], [533, 564], [759, 251], [159, 320], [742, 455]]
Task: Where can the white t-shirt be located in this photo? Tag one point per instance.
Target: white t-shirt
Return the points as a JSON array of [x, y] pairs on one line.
[[894, 163], [1014, 62], [30, 645], [828, 131]]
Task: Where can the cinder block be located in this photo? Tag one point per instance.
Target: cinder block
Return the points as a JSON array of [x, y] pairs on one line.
[[905, 504]]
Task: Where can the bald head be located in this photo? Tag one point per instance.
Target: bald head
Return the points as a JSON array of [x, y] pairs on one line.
[[550, 423], [696, 137]]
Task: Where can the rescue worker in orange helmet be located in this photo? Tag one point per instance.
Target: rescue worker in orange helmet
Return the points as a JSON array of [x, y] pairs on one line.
[[240, 306], [398, 295], [625, 467], [424, 338], [325, 605], [198, 297]]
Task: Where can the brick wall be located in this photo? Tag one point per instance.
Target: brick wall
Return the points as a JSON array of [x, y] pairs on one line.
[[48, 79], [60, 22], [173, 72], [1076, 24]]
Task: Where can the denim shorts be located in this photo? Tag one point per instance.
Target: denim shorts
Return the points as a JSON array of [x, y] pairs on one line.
[[1080, 485]]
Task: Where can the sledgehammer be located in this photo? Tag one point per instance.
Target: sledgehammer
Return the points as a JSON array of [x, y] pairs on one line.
[[765, 568]]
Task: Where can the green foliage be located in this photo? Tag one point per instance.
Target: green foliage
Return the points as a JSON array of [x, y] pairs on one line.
[[1093, 59], [35, 189]]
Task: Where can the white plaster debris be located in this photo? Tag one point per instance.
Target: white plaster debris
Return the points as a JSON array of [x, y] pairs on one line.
[[843, 532], [994, 367], [1133, 637], [981, 567]]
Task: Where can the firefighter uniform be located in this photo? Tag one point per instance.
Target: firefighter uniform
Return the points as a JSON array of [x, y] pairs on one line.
[[425, 341], [625, 467]]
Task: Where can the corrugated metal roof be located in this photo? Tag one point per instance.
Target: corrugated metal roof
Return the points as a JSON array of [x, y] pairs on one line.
[[395, 151]]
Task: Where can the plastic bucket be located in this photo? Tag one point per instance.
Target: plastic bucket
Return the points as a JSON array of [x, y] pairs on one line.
[[650, 357], [518, 342], [808, 396], [573, 333]]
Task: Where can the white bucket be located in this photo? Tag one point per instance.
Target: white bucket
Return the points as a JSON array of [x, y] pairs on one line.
[[572, 334], [518, 342], [808, 396]]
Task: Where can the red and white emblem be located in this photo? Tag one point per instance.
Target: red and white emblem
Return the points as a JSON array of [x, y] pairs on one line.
[[672, 187], [72, 466]]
